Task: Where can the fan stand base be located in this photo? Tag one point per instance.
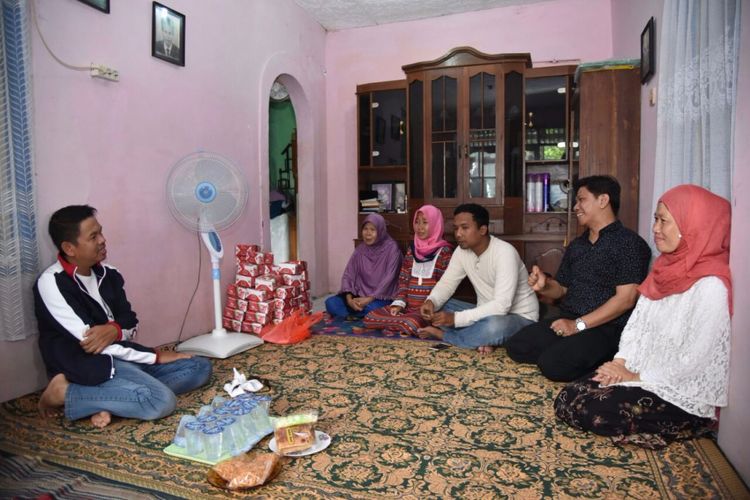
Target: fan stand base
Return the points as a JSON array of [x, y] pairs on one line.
[[219, 346]]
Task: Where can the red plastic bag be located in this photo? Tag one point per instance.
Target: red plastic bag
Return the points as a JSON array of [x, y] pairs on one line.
[[293, 329]]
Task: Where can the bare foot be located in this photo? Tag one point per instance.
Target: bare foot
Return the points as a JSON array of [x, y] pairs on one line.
[[52, 400], [101, 419], [485, 349], [430, 332]]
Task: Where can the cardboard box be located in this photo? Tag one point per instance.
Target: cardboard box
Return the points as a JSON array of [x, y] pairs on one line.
[[266, 282], [293, 279], [261, 306], [231, 324], [254, 295], [244, 281], [285, 292], [251, 327], [244, 248], [290, 268]]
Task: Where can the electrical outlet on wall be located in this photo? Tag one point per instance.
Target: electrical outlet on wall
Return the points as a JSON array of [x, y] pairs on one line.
[[101, 71]]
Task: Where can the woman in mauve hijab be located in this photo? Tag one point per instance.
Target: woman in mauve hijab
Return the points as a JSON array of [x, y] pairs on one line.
[[425, 262], [370, 279], [672, 368]]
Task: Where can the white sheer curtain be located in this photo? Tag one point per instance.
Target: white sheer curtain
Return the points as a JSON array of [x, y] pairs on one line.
[[19, 254], [697, 68]]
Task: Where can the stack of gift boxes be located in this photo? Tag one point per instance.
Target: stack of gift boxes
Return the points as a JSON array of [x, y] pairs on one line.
[[264, 293]]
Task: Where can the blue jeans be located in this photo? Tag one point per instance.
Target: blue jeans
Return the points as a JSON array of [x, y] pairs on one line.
[[489, 331], [337, 307], [145, 392]]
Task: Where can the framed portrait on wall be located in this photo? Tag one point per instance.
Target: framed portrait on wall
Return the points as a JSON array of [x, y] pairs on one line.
[[168, 34], [648, 51], [102, 5]]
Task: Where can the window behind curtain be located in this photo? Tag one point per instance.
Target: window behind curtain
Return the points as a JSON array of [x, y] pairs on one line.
[[19, 255]]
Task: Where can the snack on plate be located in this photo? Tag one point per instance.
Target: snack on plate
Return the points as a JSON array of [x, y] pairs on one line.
[[245, 471], [295, 432]]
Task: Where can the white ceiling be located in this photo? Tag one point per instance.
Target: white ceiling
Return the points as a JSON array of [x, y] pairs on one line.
[[336, 15]]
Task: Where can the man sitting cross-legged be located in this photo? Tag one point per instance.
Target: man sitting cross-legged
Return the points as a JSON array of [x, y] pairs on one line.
[[86, 329], [505, 302], [596, 286]]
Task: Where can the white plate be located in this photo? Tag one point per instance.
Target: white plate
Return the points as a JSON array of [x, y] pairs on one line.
[[322, 440]]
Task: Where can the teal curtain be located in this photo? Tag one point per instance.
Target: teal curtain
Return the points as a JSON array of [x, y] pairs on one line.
[[19, 253]]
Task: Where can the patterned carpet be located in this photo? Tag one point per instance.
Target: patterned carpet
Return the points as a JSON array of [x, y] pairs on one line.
[[341, 327], [405, 421]]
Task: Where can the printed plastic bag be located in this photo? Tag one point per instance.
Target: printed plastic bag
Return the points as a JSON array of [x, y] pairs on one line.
[[293, 329]]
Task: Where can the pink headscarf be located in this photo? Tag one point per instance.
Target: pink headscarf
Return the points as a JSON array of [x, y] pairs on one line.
[[704, 221], [425, 248]]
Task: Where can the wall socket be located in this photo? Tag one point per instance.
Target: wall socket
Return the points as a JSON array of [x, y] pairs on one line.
[[101, 71]]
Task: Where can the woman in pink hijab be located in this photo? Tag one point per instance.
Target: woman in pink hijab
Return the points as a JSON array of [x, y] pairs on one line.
[[424, 264], [672, 368]]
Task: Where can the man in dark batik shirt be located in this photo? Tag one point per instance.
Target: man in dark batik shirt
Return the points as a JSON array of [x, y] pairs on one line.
[[596, 287]]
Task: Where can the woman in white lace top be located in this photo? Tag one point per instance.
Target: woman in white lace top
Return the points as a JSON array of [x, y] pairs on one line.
[[672, 368]]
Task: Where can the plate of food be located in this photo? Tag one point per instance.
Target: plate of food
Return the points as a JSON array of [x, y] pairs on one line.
[[322, 441]]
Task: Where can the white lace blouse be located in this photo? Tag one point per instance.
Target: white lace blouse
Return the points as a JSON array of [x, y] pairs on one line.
[[679, 345]]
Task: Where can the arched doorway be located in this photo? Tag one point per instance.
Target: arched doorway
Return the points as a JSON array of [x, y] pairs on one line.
[[282, 173]]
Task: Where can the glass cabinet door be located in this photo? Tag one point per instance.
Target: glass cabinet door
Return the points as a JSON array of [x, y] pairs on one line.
[[388, 127], [481, 148], [444, 136], [545, 118], [416, 139]]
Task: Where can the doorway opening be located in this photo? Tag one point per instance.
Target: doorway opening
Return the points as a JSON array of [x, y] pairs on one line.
[[282, 172]]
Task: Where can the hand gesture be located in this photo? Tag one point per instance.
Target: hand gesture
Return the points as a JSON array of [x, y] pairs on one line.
[[427, 310], [537, 279], [352, 303], [362, 302], [98, 338], [172, 356], [564, 327], [614, 372], [443, 318]]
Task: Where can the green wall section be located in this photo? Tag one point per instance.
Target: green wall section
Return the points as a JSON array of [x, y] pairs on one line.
[[281, 124]]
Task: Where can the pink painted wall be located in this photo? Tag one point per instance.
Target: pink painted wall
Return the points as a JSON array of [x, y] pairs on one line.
[[562, 29], [629, 17], [735, 418], [112, 144]]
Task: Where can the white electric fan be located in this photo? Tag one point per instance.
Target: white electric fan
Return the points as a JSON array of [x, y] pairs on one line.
[[206, 193]]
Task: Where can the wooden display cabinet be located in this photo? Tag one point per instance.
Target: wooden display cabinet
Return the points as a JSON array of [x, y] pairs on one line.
[[381, 146]]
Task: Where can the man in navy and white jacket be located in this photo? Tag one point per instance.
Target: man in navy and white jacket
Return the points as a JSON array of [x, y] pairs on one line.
[[87, 328]]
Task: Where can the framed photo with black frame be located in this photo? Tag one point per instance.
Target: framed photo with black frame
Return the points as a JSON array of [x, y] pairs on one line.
[[102, 5], [648, 51], [399, 197], [168, 34], [385, 195]]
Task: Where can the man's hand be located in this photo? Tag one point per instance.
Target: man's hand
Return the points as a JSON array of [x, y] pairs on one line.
[[564, 327], [537, 279], [443, 318], [98, 338], [427, 310], [165, 357], [614, 372], [396, 310]]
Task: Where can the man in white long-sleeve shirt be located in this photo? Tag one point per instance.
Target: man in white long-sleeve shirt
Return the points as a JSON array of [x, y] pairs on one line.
[[505, 301]]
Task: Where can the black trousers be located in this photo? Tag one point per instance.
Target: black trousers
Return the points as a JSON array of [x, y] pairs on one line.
[[630, 414], [564, 359]]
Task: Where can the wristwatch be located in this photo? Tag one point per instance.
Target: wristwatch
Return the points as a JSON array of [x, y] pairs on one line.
[[580, 324]]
